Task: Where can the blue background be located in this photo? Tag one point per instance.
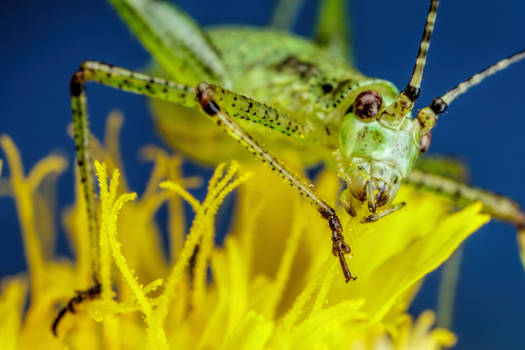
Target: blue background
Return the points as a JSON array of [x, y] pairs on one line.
[[47, 40]]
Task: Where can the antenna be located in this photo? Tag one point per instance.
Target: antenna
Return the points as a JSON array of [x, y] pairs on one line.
[[462, 87], [404, 102], [428, 116], [414, 86]]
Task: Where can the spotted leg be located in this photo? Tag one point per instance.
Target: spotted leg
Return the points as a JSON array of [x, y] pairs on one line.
[[444, 166], [497, 206], [211, 97], [125, 80], [89, 294], [221, 105], [118, 78]]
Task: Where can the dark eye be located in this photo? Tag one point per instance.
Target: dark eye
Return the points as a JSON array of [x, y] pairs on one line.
[[367, 105]]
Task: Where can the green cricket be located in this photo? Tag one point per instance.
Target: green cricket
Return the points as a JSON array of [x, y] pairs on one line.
[[268, 86]]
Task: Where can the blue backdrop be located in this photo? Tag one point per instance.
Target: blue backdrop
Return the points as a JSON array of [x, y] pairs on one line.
[[46, 41]]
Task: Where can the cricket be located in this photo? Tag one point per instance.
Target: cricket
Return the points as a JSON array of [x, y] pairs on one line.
[[267, 87]]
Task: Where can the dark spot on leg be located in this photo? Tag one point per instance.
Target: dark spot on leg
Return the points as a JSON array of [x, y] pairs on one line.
[[76, 86]]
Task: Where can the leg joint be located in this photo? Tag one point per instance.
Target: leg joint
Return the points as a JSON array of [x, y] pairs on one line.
[[76, 86], [204, 95]]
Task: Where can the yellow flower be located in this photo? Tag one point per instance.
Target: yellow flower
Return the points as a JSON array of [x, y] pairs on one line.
[[273, 284]]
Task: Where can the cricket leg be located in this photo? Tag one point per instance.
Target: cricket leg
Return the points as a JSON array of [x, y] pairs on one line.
[[90, 294], [285, 14], [183, 49], [497, 206], [162, 89], [332, 31], [242, 108], [122, 79], [444, 166], [389, 210], [211, 99]]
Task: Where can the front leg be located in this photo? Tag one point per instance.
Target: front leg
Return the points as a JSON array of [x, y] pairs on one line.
[[123, 79], [210, 98], [221, 105], [240, 107]]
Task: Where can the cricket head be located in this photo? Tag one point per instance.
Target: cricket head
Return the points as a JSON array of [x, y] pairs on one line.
[[379, 141], [373, 156]]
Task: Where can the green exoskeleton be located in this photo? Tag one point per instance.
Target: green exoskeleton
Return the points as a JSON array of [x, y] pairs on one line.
[[267, 86]]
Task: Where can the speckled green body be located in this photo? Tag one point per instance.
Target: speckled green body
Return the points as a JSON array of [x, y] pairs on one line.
[[296, 77], [237, 92]]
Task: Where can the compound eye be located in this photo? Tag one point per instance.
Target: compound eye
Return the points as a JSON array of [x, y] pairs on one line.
[[367, 105]]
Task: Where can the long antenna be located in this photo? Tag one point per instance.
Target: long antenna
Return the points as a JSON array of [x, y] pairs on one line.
[[414, 87], [428, 116], [461, 88], [404, 102]]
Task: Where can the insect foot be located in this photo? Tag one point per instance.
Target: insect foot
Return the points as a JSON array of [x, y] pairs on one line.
[[89, 294], [339, 249], [339, 246]]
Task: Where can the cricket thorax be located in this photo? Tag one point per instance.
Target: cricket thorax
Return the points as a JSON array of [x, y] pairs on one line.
[[284, 70]]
